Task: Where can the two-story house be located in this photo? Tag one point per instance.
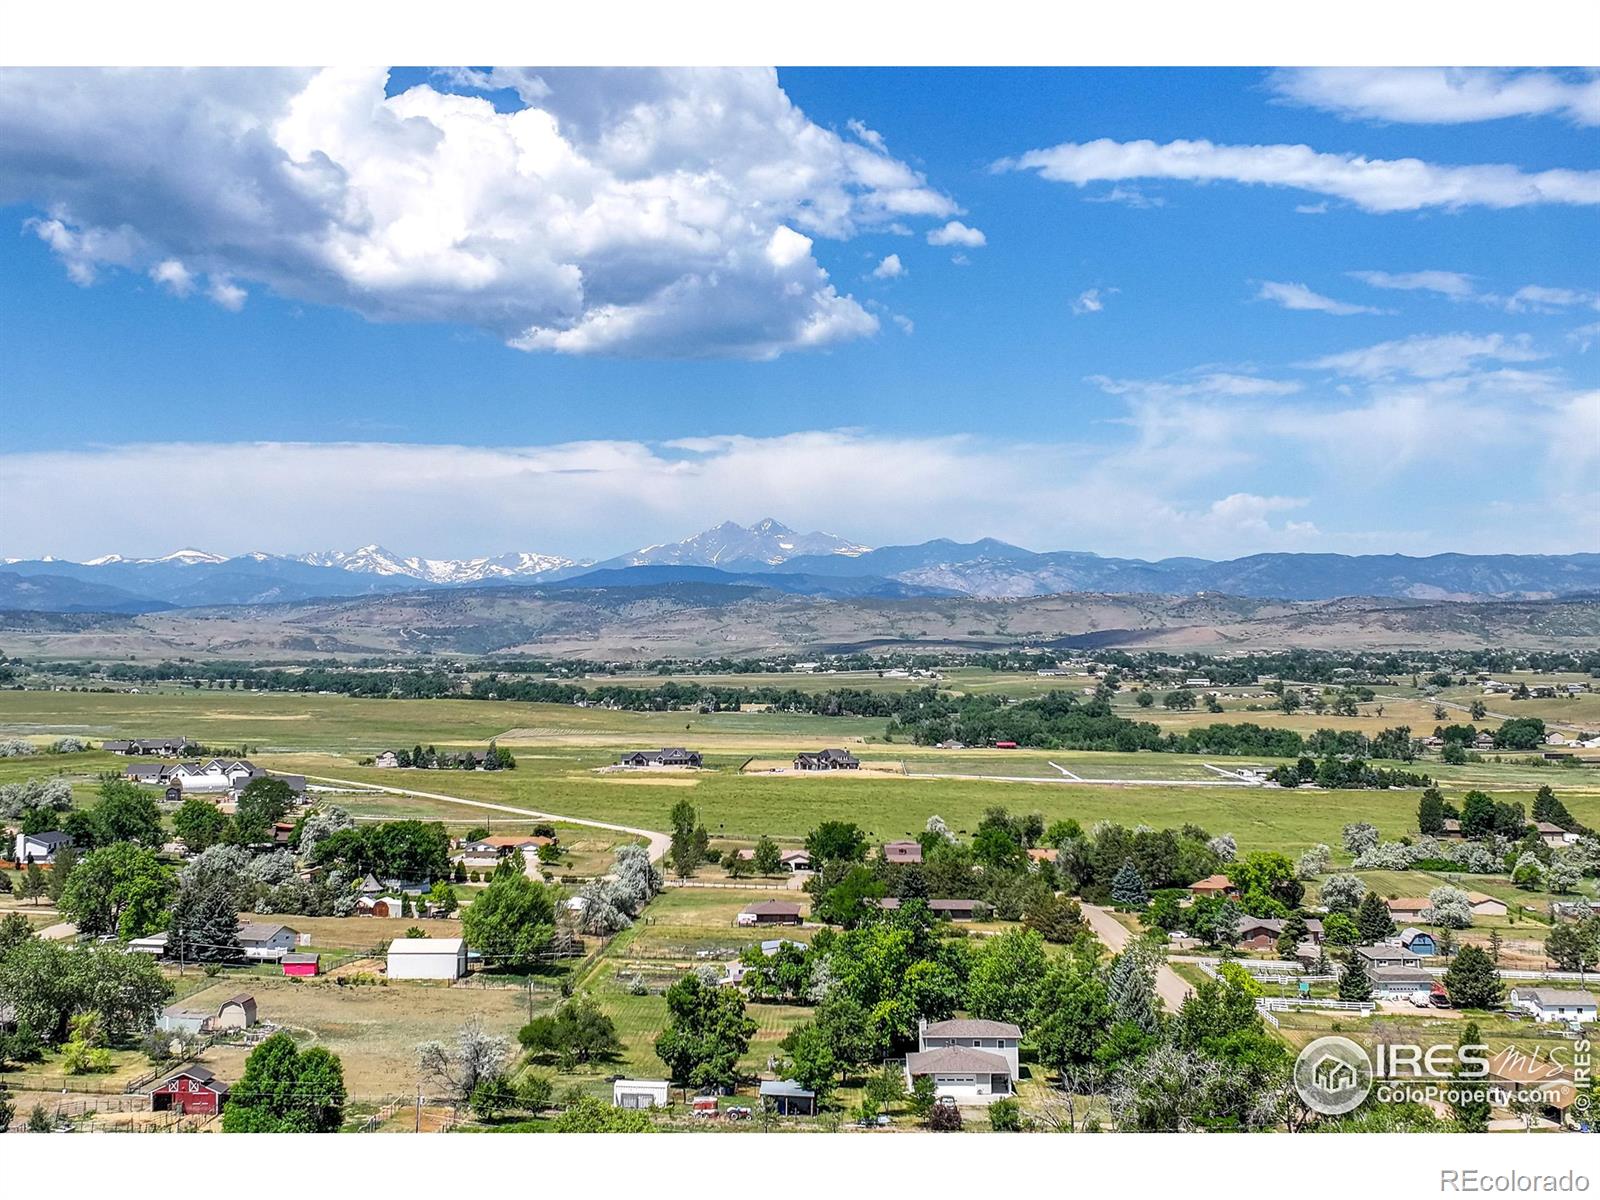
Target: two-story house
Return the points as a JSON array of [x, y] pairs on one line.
[[970, 1062]]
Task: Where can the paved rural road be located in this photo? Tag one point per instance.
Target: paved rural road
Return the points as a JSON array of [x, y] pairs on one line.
[[1170, 986], [660, 843]]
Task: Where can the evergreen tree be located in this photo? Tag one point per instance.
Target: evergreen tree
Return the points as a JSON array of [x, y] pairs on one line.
[[1294, 932], [1131, 990], [1373, 921], [205, 916], [1472, 980], [1469, 1103], [1430, 812], [1355, 983], [1127, 888], [33, 883], [1546, 807], [65, 862]]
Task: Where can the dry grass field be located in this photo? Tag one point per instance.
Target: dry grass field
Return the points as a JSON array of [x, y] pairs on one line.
[[374, 1030]]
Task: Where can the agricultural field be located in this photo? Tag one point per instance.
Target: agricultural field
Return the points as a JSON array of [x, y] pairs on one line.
[[562, 750], [743, 807]]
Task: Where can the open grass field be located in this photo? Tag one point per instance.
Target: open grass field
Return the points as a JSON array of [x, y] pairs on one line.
[[561, 748], [375, 1030], [743, 807], [276, 721]]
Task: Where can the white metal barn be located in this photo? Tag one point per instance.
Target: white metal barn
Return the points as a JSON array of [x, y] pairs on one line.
[[427, 958], [639, 1093]]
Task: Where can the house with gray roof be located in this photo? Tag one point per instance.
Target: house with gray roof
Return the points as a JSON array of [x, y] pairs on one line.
[[1555, 1004], [266, 942], [996, 1037], [826, 760]]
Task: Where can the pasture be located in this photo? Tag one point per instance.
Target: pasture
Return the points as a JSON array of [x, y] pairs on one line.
[[561, 750]]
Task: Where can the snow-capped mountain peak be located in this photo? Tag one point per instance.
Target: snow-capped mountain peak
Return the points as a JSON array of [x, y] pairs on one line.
[[375, 560], [183, 558], [766, 543]]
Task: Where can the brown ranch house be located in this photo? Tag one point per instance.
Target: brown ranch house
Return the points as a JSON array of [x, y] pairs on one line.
[[770, 912]]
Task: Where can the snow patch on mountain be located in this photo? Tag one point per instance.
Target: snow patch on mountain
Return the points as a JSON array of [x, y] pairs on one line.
[[375, 560]]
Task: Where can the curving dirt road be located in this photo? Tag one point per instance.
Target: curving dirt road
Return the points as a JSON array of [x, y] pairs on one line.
[[1170, 986], [660, 843]]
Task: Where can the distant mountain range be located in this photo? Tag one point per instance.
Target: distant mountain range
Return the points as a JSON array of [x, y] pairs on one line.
[[770, 555]]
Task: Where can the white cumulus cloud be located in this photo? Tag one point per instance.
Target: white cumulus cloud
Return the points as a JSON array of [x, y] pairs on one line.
[[174, 276], [625, 212], [890, 268], [1374, 184], [954, 233]]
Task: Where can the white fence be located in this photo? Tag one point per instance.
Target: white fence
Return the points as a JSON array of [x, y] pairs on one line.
[[1266, 971], [1289, 1003]]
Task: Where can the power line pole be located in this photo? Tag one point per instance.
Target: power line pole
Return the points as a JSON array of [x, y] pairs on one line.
[[417, 1127]]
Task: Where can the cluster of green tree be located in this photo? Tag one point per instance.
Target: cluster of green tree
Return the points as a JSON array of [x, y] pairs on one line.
[[577, 1034], [511, 923], [407, 850], [495, 758], [1055, 721], [1352, 773], [405, 683], [668, 697], [123, 812], [1146, 860], [1575, 945], [49, 984], [1396, 743], [1096, 1024], [1520, 733], [691, 844], [993, 869], [287, 1090]]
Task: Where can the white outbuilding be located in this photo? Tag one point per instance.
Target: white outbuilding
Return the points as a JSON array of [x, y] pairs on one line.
[[427, 958], [639, 1093]]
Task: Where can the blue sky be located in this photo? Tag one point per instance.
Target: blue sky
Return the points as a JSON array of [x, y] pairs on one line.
[[1146, 355]]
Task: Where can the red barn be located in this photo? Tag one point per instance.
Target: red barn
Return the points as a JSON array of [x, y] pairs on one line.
[[191, 1090], [1005, 745], [302, 965]]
